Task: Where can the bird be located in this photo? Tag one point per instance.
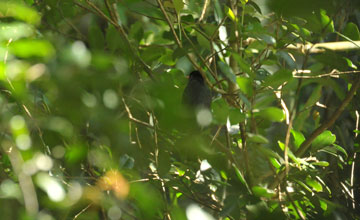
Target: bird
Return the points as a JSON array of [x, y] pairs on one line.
[[196, 95], [197, 99]]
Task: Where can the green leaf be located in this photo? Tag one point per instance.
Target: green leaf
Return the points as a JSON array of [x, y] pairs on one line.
[[152, 53], [75, 153], [303, 185], [136, 31], [257, 138], [314, 184], [220, 111], [32, 48], [244, 66], [96, 37], [167, 58], [324, 139], [321, 163], [230, 13], [326, 22], [350, 63], [263, 192], [351, 31], [236, 116], [227, 71], [245, 85], [315, 96], [275, 162], [19, 11], [278, 78], [241, 177], [179, 5], [203, 41], [290, 153], [271, 114], [298, 138]]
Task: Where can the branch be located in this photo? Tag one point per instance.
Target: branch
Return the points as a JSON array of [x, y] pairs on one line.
[[119, 28], [307, 143]]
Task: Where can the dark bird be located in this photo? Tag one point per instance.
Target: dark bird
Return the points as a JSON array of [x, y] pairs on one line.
[[196, 95]]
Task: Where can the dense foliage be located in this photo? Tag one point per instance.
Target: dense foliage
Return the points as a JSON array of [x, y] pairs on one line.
[[93, 127]]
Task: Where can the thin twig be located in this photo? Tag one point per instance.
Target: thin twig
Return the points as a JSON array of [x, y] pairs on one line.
[[307, 143]]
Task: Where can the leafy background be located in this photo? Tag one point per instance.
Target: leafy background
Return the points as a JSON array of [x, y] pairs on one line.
[[92, 125]]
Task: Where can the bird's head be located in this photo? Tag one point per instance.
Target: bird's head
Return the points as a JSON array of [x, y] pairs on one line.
[[195, 75]]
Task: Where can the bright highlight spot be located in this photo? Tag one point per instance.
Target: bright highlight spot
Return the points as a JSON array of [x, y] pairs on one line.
[[204, 165], [17, 122], [51, 186], [110, 99], [203, 117], [43, 162], [194, 212], [23, 142], [114, 213]]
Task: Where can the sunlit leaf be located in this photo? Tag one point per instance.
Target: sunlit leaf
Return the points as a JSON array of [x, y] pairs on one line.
[[257, 138], [32, 48], [245, 85], [19, 11], [271, 114], [314, 184], [351, 31], [324, 139], [298, 138], [262, 192], [230, 13]]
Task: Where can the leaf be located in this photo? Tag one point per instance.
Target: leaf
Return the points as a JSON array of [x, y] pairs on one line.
[[179, 5], [32, 48], [350, 63], [314, 184], [230, 13], [220, 111], [290, 60], [257, 138], [19, 11], [324, 139], [321, 163], [241, 177], [96, 37], [152, 53], [351, 31], [263, 192], [236, 116], [203, 41], [298, 138], [326, 22], [275, 162], [315, 96], [75, 153], [278, 78], [227, 71], [290, 153], [245, 85], [271, 114], [303, 185], [244, 66], [136, 31]]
